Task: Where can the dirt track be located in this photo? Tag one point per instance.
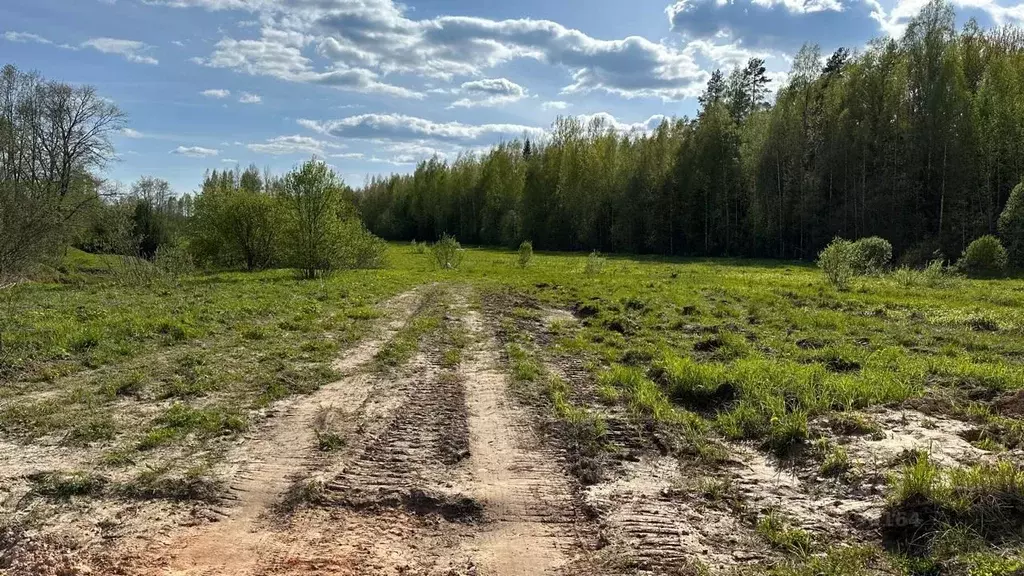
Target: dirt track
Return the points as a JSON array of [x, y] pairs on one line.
[[441, 473]]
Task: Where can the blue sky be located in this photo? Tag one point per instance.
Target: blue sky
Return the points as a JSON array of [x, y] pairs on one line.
[[373, 86]]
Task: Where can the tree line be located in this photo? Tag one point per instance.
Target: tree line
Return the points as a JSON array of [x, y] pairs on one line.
[[54, 140], [239, 219], [918, 140]]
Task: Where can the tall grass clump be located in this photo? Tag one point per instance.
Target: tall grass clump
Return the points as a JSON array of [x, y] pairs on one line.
[[926, 502], [595, 264], [934, 275], [525, 253], [837, 262], [447, 252]]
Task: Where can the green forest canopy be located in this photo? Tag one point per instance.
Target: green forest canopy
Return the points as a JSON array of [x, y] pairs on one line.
[[918, 140]]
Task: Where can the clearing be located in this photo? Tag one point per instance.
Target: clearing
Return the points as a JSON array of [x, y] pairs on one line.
[[650, 416]]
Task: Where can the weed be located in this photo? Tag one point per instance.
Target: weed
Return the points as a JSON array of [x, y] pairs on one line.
[[774, 528], [594, 264], [65, 485]]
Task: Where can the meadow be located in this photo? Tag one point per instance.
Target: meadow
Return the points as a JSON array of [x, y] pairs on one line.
[[871, 430]]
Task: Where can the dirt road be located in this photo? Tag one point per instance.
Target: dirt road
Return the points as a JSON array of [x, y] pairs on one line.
[[441, 473]]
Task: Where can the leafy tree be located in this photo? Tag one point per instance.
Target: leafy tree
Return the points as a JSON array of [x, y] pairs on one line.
[[313, 229], [1011, 226], [53, 138], [236, 222]]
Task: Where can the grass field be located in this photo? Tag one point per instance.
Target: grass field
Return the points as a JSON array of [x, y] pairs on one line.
[[773, 423]]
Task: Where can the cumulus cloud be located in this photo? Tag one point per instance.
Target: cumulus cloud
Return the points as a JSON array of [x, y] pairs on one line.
[[130, 50], [555, 105], [894, 21], [216, 93], [775, 24], [279, 54], [296, 144], [247, 98], [399, 127], [489, 92], [364, 40], [608, 121], [195, 151], [132, 133]]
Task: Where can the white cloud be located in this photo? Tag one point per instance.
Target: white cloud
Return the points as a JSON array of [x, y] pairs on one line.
[[279, 54], [399, 127], [555, 105], [25, 37], [131, 133], [349, 156], [195, 151], [365, 40], [229, 160], [608, 121], [130, 50], [282, 145], [489, 92], [894, 21], [217, 93], [247, 98]]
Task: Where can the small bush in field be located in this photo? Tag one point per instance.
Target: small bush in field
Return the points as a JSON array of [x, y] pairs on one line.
[[837, 262], [595, 264], [447, 252], [984, 257], [872, 255], [525, 253], [359, 248]]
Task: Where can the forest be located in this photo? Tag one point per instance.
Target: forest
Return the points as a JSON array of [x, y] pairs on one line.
[[919, 141]]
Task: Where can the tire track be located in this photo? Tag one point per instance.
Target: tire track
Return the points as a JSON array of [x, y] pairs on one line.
[[269, 462], [527, 499]]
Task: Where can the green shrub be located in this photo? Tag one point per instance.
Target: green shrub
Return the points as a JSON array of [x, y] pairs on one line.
[[984, 257], [595, 264], [525, 253], [447, 252], [1011, 226], [837, 262], [359, 248], [872, 255]]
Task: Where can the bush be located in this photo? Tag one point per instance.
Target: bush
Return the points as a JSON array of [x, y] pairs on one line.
[[984, 257], [447, 252], [872, 255], [1011, 226], [525, 253], [360, 248], [837, 262], [595, 264]]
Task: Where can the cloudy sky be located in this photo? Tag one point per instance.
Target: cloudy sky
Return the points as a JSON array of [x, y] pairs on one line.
[[375, 85]]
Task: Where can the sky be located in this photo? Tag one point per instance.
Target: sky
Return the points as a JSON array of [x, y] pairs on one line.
[[374, 86]]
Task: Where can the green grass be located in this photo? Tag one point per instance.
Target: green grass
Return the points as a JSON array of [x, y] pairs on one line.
[[928, 505], [776, 530], [701, 353]]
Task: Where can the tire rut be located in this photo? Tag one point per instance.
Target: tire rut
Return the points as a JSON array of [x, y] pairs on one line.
[[269, 462], [526, 497]]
